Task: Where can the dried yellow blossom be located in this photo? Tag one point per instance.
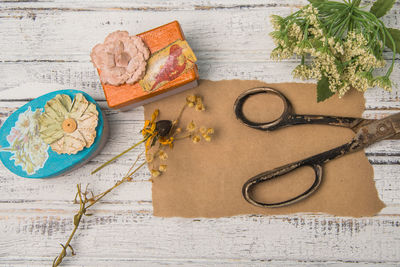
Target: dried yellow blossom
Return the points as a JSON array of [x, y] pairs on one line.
[[155, 173], [195, 101], [169, 141], [191, 100], [200, 107], [153, 127], [203, 130], [155, 115], [162, 168], [196, 139], [149, 157], [206, 133], [149, 142], [191, 126], [149, 129], [162, 155], [199, 104]]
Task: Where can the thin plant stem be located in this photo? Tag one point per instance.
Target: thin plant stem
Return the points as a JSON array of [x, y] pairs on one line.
[[140, 166], [180, 113], [183, 137], [119, 155], [77, 219], [134, 163], [126, 178], [83, 207]]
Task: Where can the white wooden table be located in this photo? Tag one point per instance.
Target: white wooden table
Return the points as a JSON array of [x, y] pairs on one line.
[[45, 46]]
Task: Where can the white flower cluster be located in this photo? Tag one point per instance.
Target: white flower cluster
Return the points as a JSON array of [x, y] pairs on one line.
[[28, 149], [346, 63]]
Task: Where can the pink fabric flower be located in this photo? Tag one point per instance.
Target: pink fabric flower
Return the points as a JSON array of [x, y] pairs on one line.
[[121, 58]]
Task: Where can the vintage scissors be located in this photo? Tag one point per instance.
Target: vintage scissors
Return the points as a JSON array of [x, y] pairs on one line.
[[367, 132]]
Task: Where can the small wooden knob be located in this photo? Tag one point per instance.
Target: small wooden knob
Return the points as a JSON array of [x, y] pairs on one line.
[[69, 125]]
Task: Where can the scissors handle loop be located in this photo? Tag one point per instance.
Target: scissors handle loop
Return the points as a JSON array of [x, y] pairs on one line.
[[276, 173], [288, 118], [275, 124], [315, 162]]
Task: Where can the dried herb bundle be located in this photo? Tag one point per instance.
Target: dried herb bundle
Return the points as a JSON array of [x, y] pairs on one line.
[[157, 136], [340, 44]]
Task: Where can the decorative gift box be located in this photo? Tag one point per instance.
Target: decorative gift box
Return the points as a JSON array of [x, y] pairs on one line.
[[170, 69]]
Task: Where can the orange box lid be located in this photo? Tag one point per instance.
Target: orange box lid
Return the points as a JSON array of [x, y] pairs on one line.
[[156, 39]]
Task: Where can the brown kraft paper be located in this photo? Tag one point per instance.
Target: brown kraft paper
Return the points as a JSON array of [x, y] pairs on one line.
[[206, 179]]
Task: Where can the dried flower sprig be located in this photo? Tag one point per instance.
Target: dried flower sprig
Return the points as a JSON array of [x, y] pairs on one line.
[[86, 200], [339, 44], [165, 132], [160, 134], [168, 132]]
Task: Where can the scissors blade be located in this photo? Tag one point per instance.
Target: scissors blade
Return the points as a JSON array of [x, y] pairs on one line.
[[359, 123], [377, 130], [394, 137]]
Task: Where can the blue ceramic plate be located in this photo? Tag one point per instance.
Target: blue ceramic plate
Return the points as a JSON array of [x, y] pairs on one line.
[[30, 157]]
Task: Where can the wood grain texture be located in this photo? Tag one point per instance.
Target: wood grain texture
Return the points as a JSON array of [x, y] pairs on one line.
[[45, 46]]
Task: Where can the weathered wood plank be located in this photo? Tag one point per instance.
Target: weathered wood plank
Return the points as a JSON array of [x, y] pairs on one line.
[[138, 235], [68, 35], [16, 189], [227, 43], [127, 262], [156, 5], [28, 80], [149, 5]]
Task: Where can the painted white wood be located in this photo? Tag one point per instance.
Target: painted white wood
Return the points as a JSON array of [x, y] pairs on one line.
[[33, 79], [45, 46]]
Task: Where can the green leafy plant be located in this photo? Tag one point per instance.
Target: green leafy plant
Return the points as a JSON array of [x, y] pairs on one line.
[[340, 44]]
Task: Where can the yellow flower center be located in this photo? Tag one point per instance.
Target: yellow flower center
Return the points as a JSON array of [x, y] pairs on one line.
[[69, 125]]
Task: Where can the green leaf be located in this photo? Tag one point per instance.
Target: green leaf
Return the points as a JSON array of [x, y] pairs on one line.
[[77, 218], [323, 91], [395, 33], [316, 1], [381, 7]]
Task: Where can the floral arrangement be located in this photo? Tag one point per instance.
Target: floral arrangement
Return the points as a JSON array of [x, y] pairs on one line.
[[68, 126], [158, 136], [339, 43], [134, 69], [121, 58], [28, 149]]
